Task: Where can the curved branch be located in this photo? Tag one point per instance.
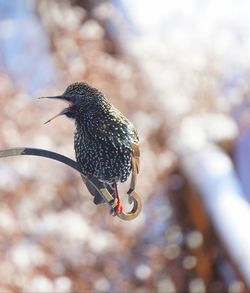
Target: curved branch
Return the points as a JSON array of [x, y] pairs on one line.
[[96, 184], [40, 153]]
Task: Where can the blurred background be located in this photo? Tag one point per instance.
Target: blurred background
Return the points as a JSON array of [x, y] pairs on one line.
[[180, 70]]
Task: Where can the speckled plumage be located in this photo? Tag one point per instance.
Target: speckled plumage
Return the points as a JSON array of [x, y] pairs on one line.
[[104, 137]]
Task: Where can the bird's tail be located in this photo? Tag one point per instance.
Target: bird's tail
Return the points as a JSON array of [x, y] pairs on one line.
[[98, 199]]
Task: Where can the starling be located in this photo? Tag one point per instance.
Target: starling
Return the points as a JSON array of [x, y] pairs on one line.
[[106, 143]]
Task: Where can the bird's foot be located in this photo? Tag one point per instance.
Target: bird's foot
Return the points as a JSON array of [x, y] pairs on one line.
[[116, 204], [117, 209]]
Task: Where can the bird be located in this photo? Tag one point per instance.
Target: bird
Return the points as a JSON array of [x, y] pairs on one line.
[[106, 143]]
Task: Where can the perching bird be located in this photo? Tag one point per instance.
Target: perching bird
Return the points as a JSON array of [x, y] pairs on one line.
[[106, 143]]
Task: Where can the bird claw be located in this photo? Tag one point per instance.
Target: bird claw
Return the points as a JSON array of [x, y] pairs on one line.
[[127, 216], [117, 209]]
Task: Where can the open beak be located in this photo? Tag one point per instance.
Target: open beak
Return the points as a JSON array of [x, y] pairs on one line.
[[53, 97], [63, 112]]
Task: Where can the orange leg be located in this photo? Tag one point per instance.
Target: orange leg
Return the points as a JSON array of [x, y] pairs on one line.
[[118, 209]]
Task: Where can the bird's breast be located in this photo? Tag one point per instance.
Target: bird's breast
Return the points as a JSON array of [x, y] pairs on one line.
[[103, 158]]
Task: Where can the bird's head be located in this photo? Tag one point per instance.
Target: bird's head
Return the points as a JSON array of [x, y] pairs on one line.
[[81, 98]]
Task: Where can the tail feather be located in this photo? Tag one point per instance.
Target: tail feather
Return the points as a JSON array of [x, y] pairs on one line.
[[98, 199]]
